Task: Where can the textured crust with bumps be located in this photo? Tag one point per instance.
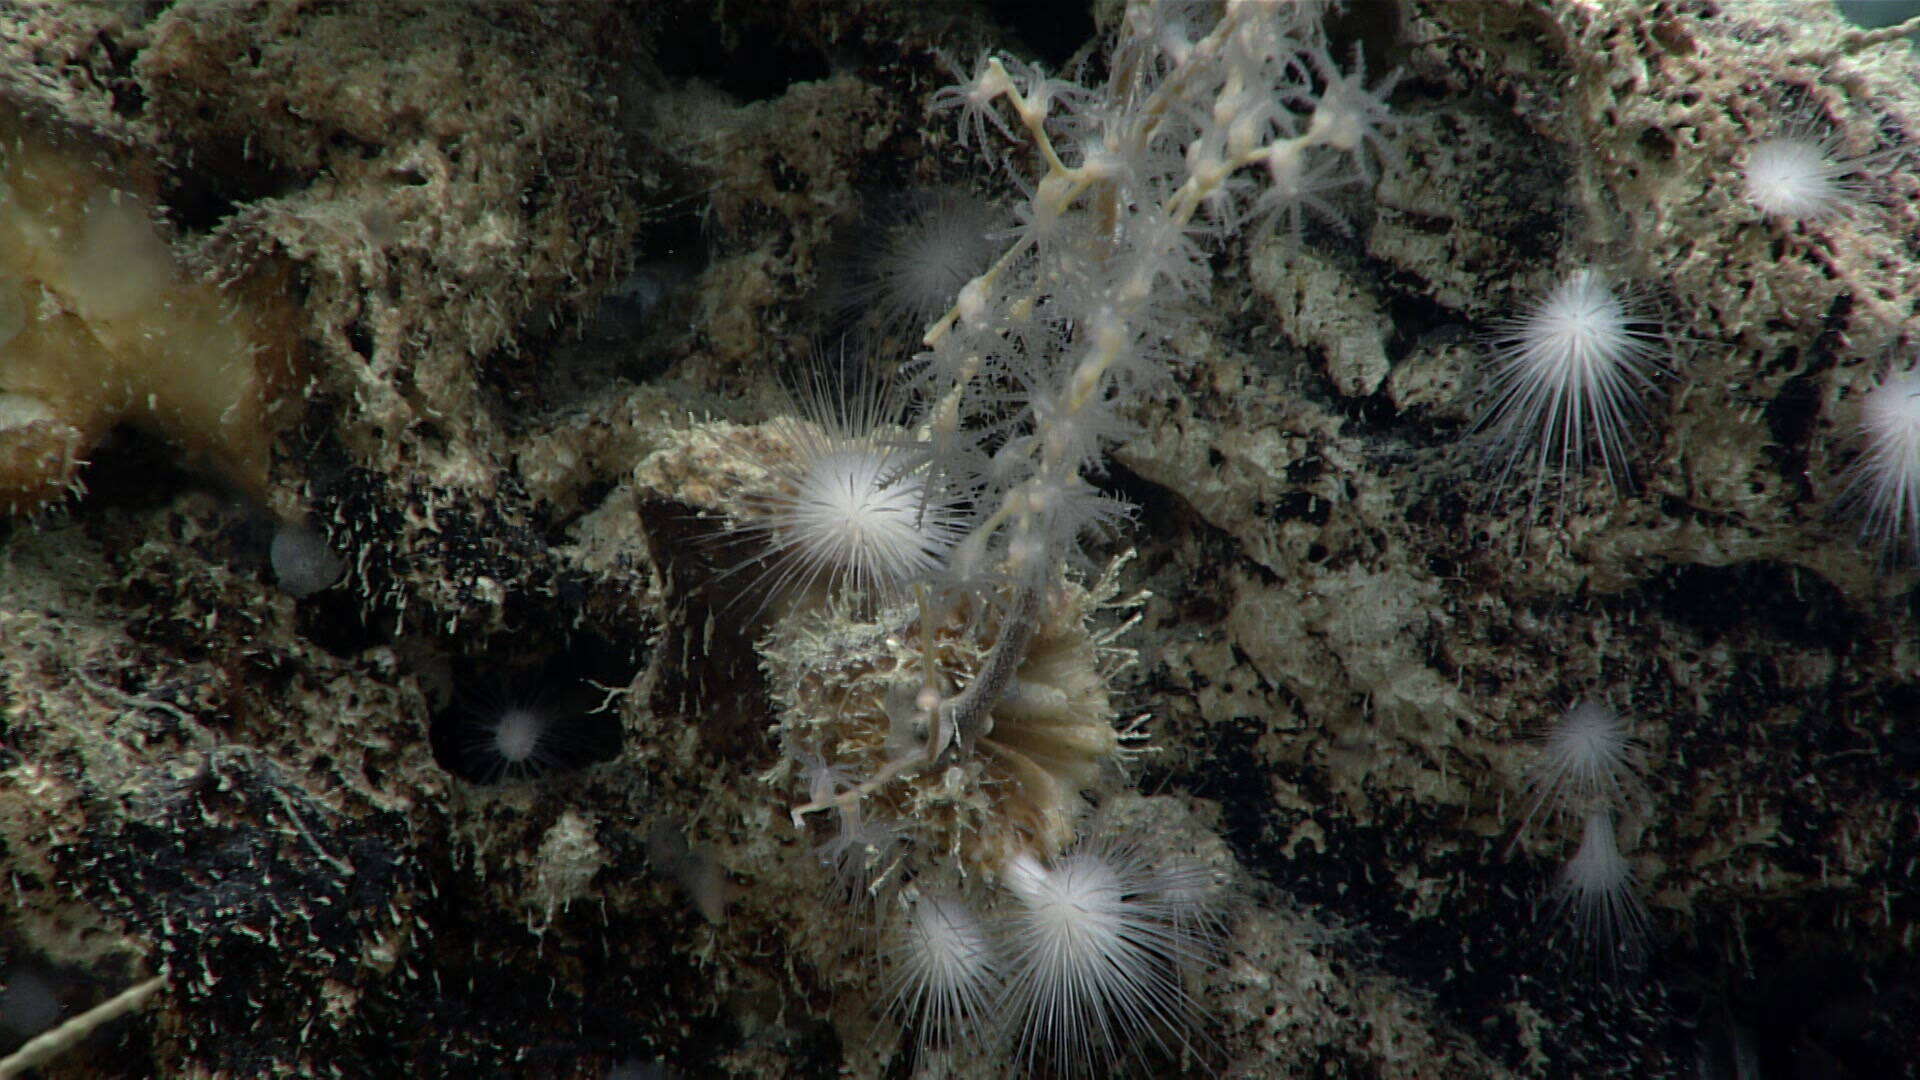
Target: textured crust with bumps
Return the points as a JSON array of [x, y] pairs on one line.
[[1665, 102], [418, 275], [164, 810], [1339, 660], [1051, 739]]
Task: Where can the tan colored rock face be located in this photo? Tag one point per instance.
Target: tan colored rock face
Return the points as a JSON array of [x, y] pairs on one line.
[[104, 326]]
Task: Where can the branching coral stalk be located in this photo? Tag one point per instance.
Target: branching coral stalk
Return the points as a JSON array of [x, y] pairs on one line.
[[1065, 325], [42, 1048]]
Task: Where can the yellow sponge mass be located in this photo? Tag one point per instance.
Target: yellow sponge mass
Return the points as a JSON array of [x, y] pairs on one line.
[[100, 324]]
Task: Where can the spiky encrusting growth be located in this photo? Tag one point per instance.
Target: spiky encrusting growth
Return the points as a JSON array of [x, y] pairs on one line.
[[846, 688]]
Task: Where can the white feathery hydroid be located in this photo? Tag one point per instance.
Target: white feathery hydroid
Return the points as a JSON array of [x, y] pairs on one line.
[[847, 508], [1575, 373], [945, 974], [1098, 943], [860, 843], [1588, 760], [1800, 174], [1598, 885], [1884, 481]]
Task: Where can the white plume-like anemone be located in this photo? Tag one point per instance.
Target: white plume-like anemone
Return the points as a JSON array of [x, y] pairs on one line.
[[1802, 175], [1884, 481], [847, 508], [1588, 773], [1587, 760], [511, 742], [946, 973], [504, 729], [1575, 374], [905, 260], [1598, 886], [1099, 941]]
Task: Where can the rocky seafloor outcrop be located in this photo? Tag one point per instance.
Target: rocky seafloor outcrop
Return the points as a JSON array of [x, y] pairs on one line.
[[525, 244]]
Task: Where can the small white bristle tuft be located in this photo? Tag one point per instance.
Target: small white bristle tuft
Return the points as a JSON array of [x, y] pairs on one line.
[[1575, 374], [1598, 885]]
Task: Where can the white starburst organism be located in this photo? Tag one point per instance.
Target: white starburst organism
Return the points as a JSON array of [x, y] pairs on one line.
[[1597, 887], [1588, 760], [1576, 372], [1801, 174], [1098, 942], [1883, 483], [946, 972], [847, 509]]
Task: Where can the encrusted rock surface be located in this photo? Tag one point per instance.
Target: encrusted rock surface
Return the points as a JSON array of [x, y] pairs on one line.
[[527, 242]]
